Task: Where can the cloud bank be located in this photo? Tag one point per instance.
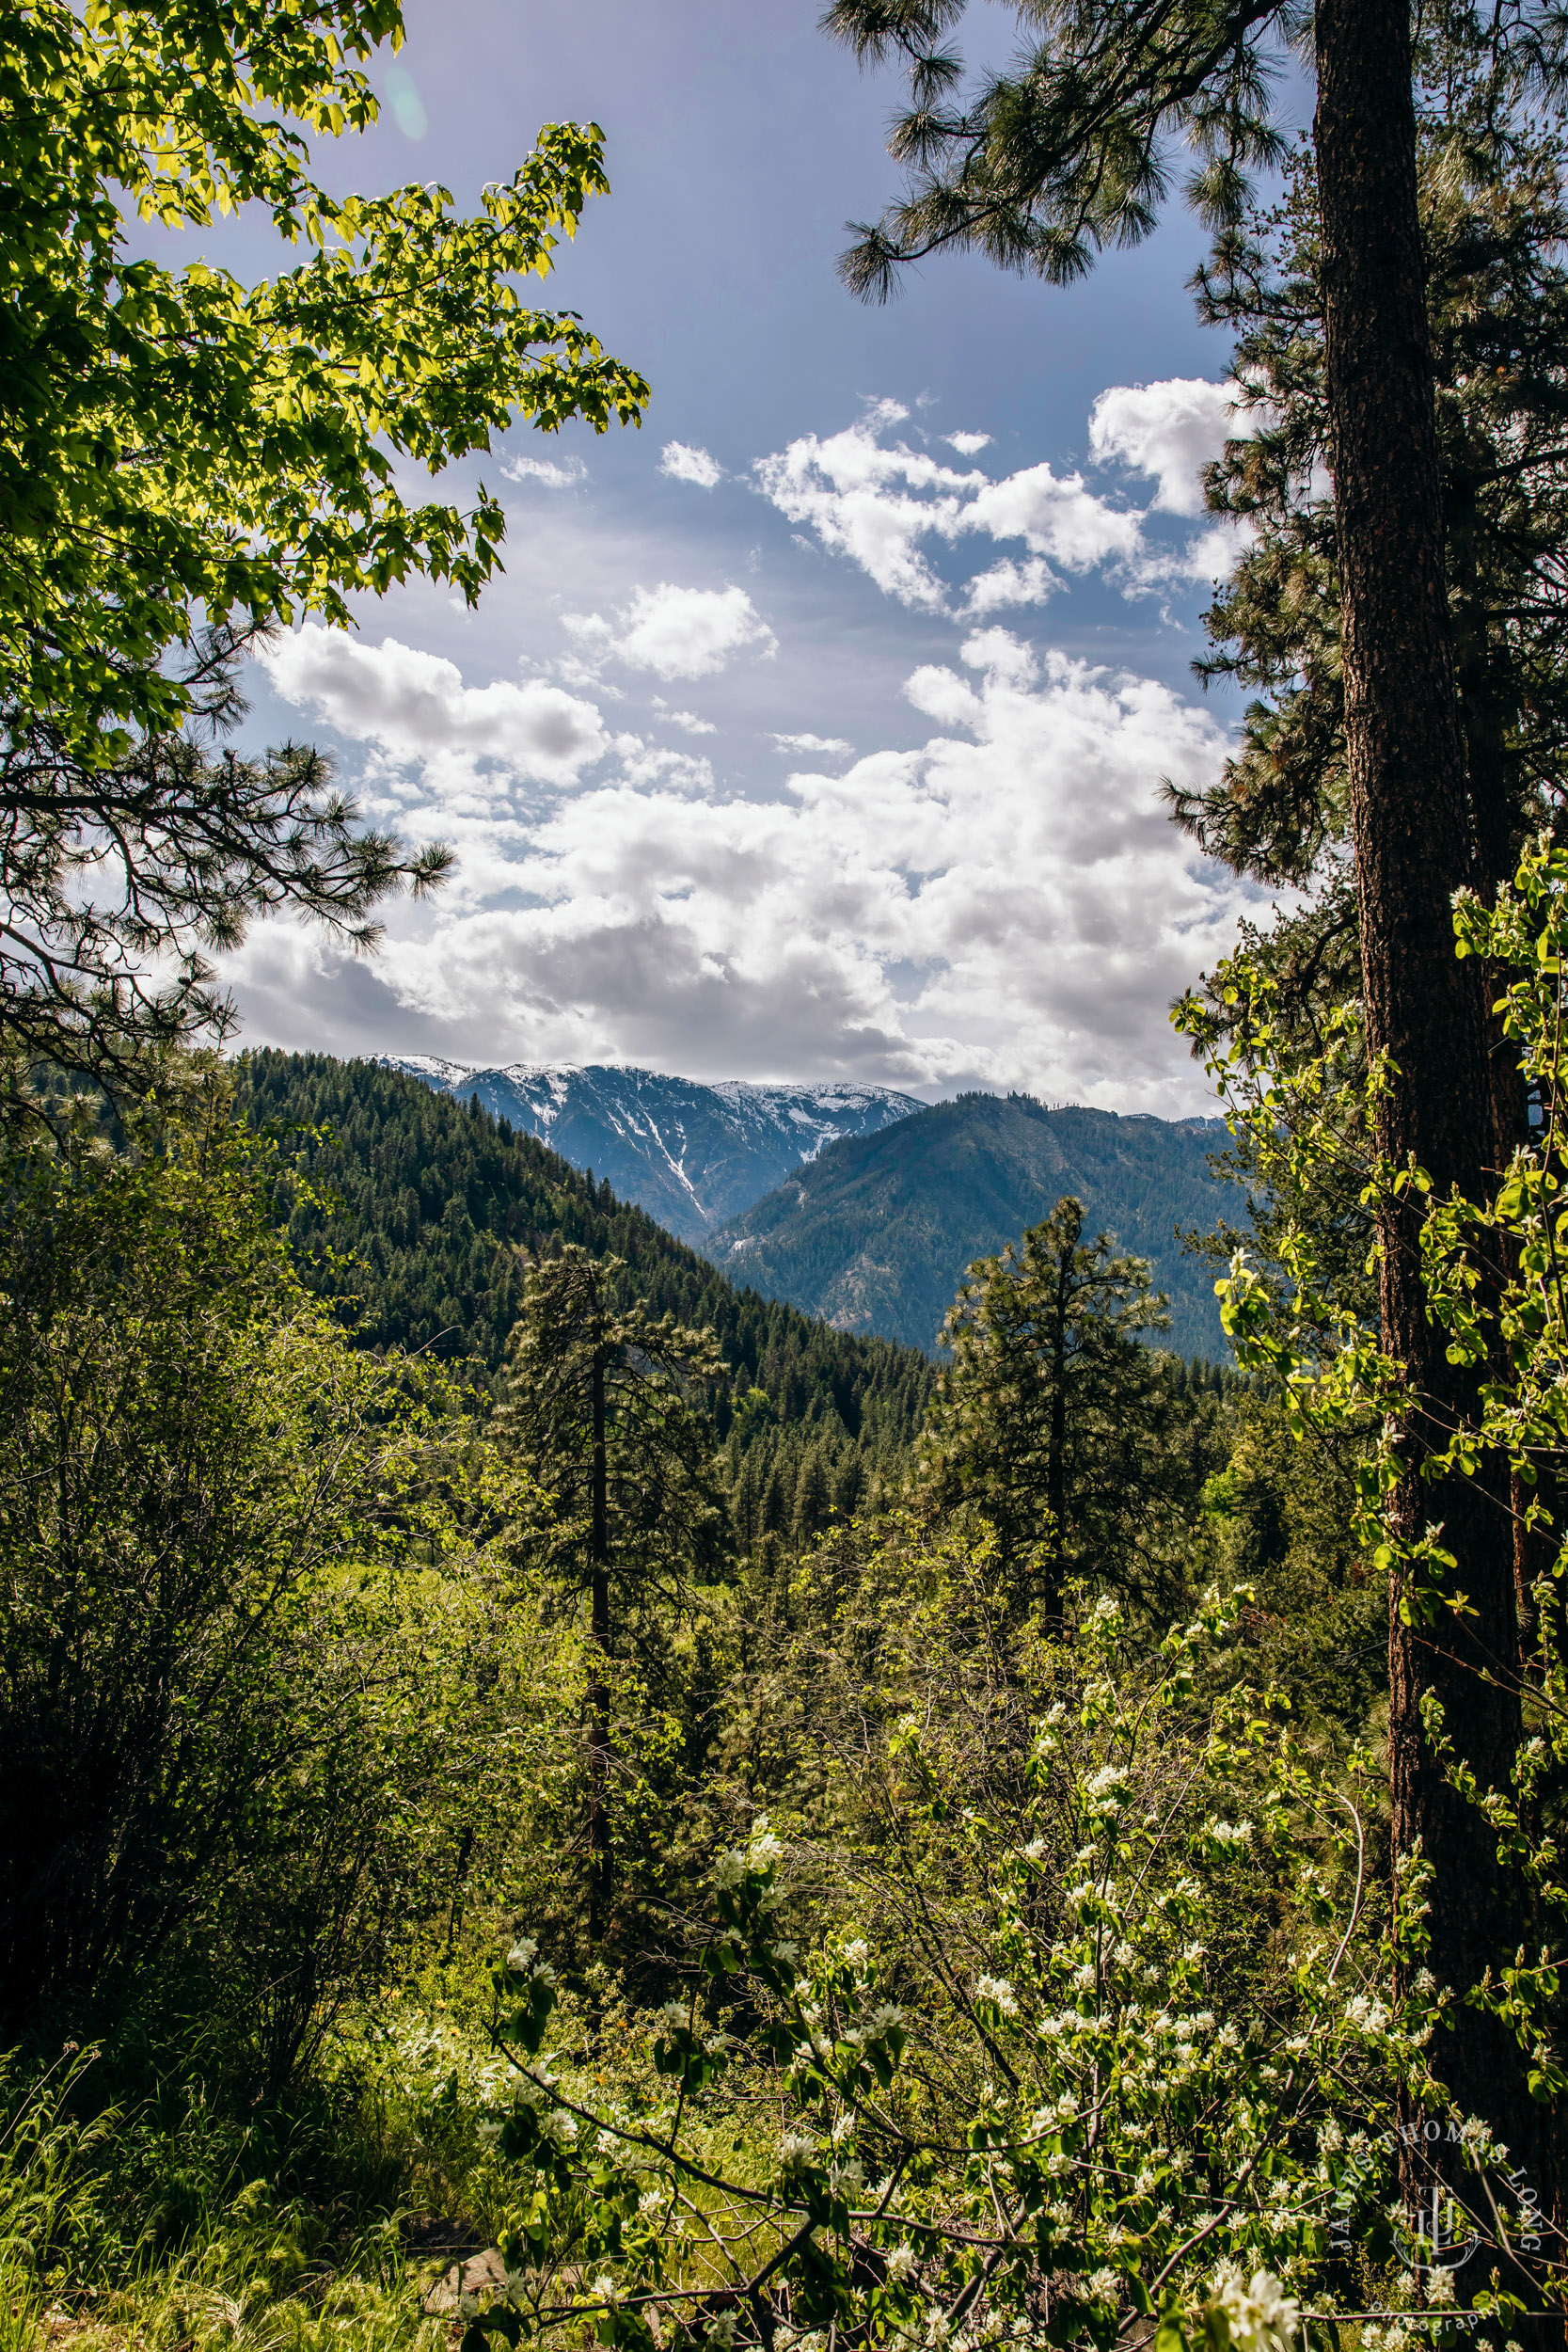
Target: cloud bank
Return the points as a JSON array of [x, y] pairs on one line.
[[1002, 903], [1006, 904]]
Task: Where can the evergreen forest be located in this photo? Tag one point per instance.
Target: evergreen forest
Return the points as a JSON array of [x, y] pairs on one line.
[[548, 1797]]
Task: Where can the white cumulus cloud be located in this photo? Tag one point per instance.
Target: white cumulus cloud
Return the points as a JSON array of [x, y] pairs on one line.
[[1056, 516], [687, 718], [967, 444], [676, 632], [414, 706], [683, 463], [876, 504], [1170, 431], [563, 474], [1011, 583], [870, 504], [832, 744]]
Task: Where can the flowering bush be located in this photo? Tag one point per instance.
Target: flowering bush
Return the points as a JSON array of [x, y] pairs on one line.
[[1054, 2107]]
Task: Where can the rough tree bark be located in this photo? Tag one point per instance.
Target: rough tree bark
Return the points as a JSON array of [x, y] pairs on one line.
[[1423, 1008], [598, 1691], [1056, 1458]]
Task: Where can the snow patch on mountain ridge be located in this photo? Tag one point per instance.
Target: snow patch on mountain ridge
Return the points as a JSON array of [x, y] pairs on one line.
[[690, 1153]]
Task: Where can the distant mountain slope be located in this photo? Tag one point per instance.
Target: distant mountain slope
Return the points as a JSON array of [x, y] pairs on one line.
[[691, 1155], [432, 1204], [876, 1234]]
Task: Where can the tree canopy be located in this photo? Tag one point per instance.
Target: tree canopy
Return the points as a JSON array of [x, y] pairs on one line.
[[188, 462]]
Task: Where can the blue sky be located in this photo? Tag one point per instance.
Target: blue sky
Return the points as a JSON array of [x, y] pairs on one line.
[[815, 731]]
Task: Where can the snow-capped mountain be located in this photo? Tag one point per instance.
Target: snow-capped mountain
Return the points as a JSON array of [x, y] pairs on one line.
[[693, 1155]]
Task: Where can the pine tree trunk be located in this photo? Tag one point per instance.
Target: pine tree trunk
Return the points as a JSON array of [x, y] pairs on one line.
[[1423, 1008], [598, 1693], [1057, 1456]]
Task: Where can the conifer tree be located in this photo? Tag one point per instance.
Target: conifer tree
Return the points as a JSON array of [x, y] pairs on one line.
[[812, 1496], [1047, 163], [598, 1402], [1050, 1417], [848, 1484], [1494, 214], [773, 1506]]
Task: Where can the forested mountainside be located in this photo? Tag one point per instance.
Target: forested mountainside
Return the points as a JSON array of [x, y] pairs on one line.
[[690, 1154], [875, 1235], [434, 1202]]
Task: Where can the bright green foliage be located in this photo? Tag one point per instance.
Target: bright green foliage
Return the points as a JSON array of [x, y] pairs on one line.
[[187, 463], [1052, 1419], [174, 442], [1280, 1518], [1493, 1277], [1281, 1036], [218, 1525]]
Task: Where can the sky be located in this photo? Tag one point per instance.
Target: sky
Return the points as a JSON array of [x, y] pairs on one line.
[[817, 730]]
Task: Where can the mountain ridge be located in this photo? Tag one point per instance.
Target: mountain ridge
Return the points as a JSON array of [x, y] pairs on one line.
[[877, 1233], [690, 1152]]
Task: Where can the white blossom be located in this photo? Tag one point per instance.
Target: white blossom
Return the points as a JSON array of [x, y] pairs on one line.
[[1262, 2315], [902, 2263], [762, 1848], [1107, 1789], [997, 1989]]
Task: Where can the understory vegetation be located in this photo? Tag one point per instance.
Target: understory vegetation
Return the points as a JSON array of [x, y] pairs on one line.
[[466, 1847]]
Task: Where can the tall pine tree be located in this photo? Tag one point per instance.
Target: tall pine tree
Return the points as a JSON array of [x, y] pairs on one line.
[[600, 1402], [1044, 165]]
